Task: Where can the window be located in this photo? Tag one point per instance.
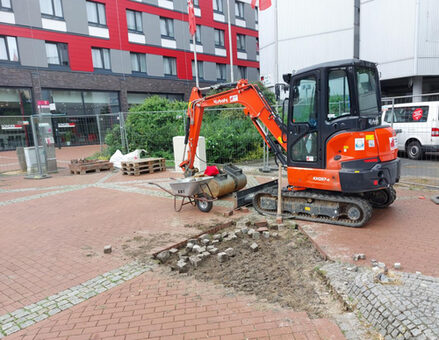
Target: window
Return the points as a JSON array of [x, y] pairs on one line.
[[305, 150], [101, 58], [57, 54], [134, 21], [239, 9], [200, 69], [196, 3], [218, 6], [8, 49], [242, 72], [338, 98], [15, 102], [167, 27], [137, 98], [410, 114], [220, 72], [96, 13], [197, 35], [170, 66], [304, 101], [256, 15], [240, 39], [71, 102], [367, 91], [219, 38], [138, 62], [51, 8], [5, 5]]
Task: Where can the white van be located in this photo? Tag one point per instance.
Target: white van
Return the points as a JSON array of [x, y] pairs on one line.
[[418, 124]]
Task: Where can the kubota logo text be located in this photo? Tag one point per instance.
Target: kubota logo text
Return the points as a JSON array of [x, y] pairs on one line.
[[220, 101]]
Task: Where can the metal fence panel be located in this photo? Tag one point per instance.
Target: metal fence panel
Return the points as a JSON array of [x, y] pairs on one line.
[[230, 135], [66, 131]]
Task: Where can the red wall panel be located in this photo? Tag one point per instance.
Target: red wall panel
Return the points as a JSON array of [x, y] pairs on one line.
[[80, 46]]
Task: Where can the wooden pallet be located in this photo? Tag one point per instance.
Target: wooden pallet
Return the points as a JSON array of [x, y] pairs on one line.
[[143, 166], [83, 166]]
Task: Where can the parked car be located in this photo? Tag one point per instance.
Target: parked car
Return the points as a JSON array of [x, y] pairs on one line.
[[418, 125]]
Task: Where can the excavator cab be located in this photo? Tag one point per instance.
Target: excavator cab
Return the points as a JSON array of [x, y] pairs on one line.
[[326, 99]]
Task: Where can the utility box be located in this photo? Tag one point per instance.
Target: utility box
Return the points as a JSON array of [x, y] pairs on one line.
[[200, 159], [21, 158], [31, 160]]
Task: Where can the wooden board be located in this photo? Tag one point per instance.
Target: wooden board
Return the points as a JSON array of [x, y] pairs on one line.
[[143, 166], [81, 167]]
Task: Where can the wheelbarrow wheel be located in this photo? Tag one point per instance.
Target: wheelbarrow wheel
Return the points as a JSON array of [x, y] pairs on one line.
[[204, 206]]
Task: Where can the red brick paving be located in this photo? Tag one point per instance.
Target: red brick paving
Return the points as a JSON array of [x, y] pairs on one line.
[[9, 161], [63, 177], [406, 232], [159, 306], [45, 242], [6, 196]]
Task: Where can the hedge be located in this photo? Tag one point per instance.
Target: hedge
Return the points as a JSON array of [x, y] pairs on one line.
[[230, 135]]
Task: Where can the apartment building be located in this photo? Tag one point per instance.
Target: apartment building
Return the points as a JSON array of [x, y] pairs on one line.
[[92, 57]]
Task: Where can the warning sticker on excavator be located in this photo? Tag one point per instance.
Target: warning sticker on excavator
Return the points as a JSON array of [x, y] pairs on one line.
[[307, 208], [359, 144], [234, 98], [370, 137]]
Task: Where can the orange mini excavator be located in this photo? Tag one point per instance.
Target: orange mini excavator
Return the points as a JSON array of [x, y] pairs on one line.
[[340, 161]]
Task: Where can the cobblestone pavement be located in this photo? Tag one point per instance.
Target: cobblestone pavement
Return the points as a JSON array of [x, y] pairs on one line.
[[157, 305], [40, 262], [406, 233], [407, 308]]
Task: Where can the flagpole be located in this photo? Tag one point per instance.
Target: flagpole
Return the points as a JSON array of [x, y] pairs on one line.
[[230, 42], [196, 62]]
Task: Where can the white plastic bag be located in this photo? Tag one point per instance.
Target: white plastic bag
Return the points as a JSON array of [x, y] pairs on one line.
[[116, 158], [119, 157]]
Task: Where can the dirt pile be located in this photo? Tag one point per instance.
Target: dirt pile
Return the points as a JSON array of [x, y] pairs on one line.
[[282, 270]]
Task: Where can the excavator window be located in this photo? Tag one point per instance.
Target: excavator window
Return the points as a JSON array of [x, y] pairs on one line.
[[338, 94], [305, 112], [367, 91], [304, 100], [305, 150]]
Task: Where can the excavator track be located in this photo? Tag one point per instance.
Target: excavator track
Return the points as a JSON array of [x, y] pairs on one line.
[[348, 211]]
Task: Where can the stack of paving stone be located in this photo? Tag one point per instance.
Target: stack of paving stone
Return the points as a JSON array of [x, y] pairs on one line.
[[197, 250]]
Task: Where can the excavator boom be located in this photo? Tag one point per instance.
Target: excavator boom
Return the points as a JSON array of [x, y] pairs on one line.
[[255, 106]]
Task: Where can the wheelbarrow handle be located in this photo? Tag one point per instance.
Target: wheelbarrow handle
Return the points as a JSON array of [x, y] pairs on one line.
[[164, 189]]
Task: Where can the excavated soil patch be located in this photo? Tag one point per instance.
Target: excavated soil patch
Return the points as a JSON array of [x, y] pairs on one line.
[[282, 271]]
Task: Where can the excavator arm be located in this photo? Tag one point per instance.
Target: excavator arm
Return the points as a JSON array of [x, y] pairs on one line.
[[255, 106]]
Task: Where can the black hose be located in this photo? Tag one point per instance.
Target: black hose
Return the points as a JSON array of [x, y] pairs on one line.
[[188, 125]]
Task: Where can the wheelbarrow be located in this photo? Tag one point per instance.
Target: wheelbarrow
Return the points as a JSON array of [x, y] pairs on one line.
[[192, 190]]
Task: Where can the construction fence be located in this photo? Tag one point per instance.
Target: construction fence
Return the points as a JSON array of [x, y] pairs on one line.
[[229, 136]]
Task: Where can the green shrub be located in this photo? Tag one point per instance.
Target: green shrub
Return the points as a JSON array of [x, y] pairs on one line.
[[230, 135]]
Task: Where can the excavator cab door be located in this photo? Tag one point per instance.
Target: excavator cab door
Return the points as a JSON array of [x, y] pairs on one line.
[[304, 146]]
